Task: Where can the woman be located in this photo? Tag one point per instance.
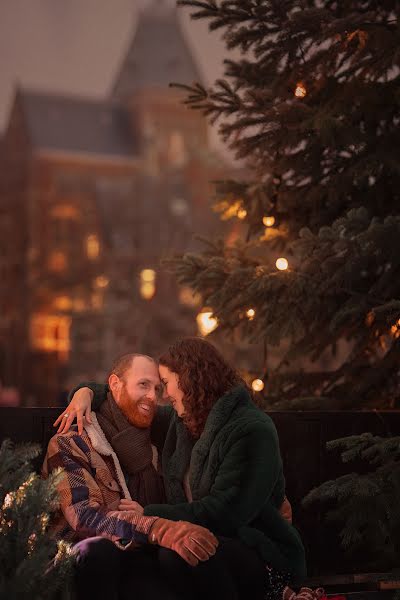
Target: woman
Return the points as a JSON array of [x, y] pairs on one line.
[[222, 466]]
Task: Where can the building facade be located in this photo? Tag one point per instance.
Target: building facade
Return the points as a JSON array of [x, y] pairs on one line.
[[93, 196]]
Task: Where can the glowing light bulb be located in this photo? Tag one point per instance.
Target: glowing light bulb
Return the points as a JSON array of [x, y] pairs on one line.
[[300, 90], [251, 313], [257, 385], [282, 264], [241, 213], [269, 221], [206, 322]]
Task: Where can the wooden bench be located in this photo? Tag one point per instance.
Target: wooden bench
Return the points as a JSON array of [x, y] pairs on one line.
[[303, 436]]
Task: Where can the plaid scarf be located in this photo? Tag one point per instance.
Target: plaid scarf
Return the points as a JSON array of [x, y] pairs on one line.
[[133, 448]]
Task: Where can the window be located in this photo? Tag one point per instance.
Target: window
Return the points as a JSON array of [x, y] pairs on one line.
[[92, 246], [51, 333], [147, 283]]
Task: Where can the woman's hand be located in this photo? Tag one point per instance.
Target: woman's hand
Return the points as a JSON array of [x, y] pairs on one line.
[[79, 408], [130, 505]]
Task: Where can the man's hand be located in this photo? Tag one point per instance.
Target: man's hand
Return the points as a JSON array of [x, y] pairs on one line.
[[130, 505], [192, 542], [79, 408]]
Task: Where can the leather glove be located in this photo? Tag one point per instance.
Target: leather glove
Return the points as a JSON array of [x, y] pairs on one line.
[[192, 542], [286, 510]]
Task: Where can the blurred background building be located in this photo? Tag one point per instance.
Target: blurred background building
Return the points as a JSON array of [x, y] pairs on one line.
[[93, 195]]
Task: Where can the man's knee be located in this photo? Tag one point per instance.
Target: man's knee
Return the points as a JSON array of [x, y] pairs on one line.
[[98, 553]]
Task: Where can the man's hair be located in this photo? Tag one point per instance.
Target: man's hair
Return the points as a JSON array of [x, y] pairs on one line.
[[123, 363]]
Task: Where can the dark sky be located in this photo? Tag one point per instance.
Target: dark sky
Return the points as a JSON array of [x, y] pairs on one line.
[[76, 46]]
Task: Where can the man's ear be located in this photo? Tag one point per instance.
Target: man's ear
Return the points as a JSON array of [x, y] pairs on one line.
[[114, 383]]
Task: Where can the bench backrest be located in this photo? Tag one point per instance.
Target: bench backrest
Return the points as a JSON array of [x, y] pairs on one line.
[[303, 436]]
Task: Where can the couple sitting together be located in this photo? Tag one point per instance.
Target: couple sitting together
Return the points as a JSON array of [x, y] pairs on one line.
[[185, 500]]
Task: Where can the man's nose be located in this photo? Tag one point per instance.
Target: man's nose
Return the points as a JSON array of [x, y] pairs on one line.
[[152, 394]]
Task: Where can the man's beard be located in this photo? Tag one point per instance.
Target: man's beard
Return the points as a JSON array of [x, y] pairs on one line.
[[134, 415]]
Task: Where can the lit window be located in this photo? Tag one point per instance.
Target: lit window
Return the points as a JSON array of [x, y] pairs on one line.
[[147, 283], [92, 246], [64, 211], [57, 261], [50, 333]]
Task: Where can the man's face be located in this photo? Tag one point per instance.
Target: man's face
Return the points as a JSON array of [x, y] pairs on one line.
[[137, 392]]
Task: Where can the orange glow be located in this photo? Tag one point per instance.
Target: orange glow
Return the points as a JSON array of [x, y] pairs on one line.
[[282, 264], [257, 385], [300, 90], [269, 221], [57, 261], [50, 333], [92, 246], [206, 322]]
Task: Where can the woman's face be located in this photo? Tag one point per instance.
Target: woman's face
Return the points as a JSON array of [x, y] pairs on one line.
[[171, 382]]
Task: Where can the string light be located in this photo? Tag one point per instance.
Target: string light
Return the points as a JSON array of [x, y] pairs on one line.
[[300, 90], [257, 385], [282, 264], [206, 322], [251, 313], [241, 213], [269, 221], [395, 329]]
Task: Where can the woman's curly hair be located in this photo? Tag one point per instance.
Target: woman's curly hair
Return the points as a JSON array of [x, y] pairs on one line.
[[204, 376]]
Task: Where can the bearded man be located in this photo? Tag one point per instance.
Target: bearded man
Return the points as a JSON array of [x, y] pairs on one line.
[[109, 473]]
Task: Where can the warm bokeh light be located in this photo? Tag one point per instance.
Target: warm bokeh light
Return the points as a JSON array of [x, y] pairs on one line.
[[63, 303], [206, 322], [101, 281], [147, 283], [395, 329], [50, 333], [147, 290], [148, 275], [269, 221], [300, 90], [242, 213], [251, 313], [282, 264], [92, 246], [257, 385]]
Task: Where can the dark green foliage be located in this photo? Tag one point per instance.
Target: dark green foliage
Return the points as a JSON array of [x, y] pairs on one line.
[[326, 166], [366, 504], [27, 570]]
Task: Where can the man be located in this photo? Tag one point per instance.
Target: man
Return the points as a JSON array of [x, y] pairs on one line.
[[110, 471]]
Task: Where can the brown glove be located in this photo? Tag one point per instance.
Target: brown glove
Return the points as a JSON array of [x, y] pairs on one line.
[[191, 542], [286, 510]]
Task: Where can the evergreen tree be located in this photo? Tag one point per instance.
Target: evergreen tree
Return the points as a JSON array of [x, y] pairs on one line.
[[366, 505], [312, 107], [32, 565]]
